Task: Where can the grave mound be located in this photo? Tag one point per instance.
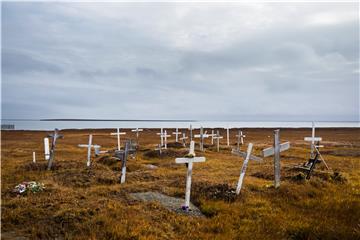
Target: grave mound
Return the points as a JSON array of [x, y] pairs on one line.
[[86, 177], [165, 153], [170, 203], [214, 192], [175, 145]]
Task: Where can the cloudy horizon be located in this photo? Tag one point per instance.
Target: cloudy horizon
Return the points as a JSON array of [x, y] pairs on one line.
[[209, 61]]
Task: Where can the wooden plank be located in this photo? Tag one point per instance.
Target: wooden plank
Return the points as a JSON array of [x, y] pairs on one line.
[[47, 148], [243, 154], [270, 151], [312, 139], [277, 158], [243, 169], [188, 160]]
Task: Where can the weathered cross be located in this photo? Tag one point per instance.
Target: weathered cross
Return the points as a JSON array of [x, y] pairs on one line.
[[189, 160], [137, 130], [202, 136], [118, 134], [275, 150], [313, 139], [54, 137], [89, 146], [217, 137], [161, 133], [247, 156], [240, 139], [176, 133], [122, 155], [46, 149], [183, 139]]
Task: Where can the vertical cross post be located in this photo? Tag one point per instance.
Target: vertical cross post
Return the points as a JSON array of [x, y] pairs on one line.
[[189, 161], [228, 136], [212, 137], [47, 149], [34, 157], [243, 169], [201, 139], [191, 133], [123, 163], [89, 152], [54, 137], [277, 158]]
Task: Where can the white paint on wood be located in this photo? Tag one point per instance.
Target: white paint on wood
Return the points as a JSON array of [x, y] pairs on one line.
[[243, 169], [118, 134], [189, 161], [270, 151], [34, 157], [47, 148], [228, 136], [243, 154], [176, 133]]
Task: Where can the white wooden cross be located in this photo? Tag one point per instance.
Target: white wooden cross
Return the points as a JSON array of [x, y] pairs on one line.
[[34, 157], [247, 156], [218, 137], [227, 136], [137, 130], [212, 136], [165, 139], [183, 139], [118, 134], [189, 160], [47, 149], [202, 135], [159, 147], [89, 146], [313, 139], [275, 150], [54, 137], [161, 133], [176, 133], [240, 139]]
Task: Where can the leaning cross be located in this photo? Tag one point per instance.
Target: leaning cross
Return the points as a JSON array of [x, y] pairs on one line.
[[313, 139], [118, 133], [122, 155], [275, 150], [189, 160], [247, 156], [176, 133], [240, 139], [54, 137], [89, 146]]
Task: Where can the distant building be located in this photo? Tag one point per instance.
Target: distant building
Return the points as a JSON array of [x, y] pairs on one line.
[[7, 126]]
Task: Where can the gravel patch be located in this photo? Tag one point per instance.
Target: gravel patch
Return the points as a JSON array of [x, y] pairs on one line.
[[170, 203]]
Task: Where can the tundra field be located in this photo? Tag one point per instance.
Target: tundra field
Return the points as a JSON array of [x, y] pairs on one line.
[[90, 203]]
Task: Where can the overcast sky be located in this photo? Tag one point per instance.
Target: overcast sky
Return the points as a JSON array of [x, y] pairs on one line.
[[208, 61]]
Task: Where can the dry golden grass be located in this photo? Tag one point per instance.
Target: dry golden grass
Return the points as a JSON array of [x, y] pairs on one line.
[[90, 204]]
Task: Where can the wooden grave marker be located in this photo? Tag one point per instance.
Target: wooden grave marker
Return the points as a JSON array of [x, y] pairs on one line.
[[53, 137], [247, 156], [122, 155], [176, 133], [46, 149], [275, 150], [240, 139], [217, 137], [228, 136], [89, 146], [118, 134], [183, 139], [202, 136], [189, 160], [137, 130]]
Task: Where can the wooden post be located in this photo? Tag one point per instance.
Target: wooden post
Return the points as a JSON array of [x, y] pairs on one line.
[[54, 137], [47, 149], [228, 136], [89, 151], [34, 157], [191, 133], [243, 169], [277, 158], [176, 133], [123, 165], [118, 133], [212, 137], [201, 139]]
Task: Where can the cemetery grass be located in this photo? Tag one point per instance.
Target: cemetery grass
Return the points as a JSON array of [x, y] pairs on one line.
[[81, 203]]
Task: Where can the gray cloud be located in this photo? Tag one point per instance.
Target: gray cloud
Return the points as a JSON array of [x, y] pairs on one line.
[[122, 60]]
